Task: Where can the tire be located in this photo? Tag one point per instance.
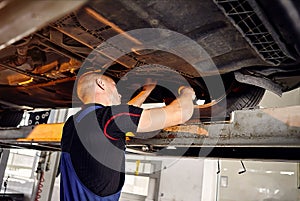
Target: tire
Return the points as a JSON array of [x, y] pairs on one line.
[[238, 97], [249, 98]]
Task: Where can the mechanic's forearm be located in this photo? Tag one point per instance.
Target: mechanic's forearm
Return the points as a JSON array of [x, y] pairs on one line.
[[183, 108], [177, 112], [139, 99]]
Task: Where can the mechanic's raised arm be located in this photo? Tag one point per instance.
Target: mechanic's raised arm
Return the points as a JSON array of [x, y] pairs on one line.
[[178, 112], [141, 97]]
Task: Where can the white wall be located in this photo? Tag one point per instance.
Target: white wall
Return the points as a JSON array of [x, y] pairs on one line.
[[181, 179], [185, 179], [210, 180], [263, 181]]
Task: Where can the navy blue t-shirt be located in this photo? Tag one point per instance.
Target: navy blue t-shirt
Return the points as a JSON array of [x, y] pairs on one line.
[[96, 143]]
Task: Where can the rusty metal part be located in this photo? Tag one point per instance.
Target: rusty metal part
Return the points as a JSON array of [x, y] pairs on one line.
[[254, 128]]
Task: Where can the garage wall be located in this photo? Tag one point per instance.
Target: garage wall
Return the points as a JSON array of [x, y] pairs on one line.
[[210, 185], [263, 181], [183, 179]]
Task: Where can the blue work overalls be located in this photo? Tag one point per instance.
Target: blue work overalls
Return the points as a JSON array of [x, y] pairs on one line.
[[72, 187]]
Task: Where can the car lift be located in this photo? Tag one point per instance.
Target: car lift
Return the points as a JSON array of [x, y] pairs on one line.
[[271, 133]]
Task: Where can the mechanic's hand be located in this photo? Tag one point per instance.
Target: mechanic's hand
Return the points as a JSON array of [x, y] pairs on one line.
[[149, 85], [184, 90]]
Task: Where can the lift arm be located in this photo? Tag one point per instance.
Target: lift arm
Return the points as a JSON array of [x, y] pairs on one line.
[[258, 133]]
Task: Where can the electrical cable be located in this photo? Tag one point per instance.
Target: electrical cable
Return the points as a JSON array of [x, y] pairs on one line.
[[244, 168], [219, 170], [40, 187], [5, 185]]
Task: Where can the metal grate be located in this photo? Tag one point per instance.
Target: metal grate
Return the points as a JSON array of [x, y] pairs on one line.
[[245, 19]]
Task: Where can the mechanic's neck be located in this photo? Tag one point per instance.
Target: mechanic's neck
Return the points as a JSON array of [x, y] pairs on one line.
[[103, 101], [99, 102]]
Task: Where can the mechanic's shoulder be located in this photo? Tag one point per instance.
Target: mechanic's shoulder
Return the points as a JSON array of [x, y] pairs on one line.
[[69, 122]]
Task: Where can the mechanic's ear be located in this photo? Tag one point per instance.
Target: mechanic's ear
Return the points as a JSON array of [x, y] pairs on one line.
[[100, 83]]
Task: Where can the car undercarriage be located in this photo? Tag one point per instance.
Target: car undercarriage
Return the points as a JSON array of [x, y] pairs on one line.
[[253, 45]]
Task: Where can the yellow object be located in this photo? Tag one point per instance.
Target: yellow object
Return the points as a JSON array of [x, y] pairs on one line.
[[45, 133], [129, 134], [137, 167]]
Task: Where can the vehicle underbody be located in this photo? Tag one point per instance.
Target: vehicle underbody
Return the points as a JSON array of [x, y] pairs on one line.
[[252, 46]]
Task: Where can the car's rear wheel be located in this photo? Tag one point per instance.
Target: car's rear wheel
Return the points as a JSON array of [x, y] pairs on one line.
[[238, 96]]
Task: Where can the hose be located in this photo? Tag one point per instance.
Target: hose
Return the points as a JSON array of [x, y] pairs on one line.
[[40, 187]]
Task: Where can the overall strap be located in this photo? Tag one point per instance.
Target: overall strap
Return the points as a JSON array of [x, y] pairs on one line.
[[85, 111], [72, 189]]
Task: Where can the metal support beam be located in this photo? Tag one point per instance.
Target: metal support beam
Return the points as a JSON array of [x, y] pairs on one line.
[[49, 175], [3, 162], [257, 128]]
